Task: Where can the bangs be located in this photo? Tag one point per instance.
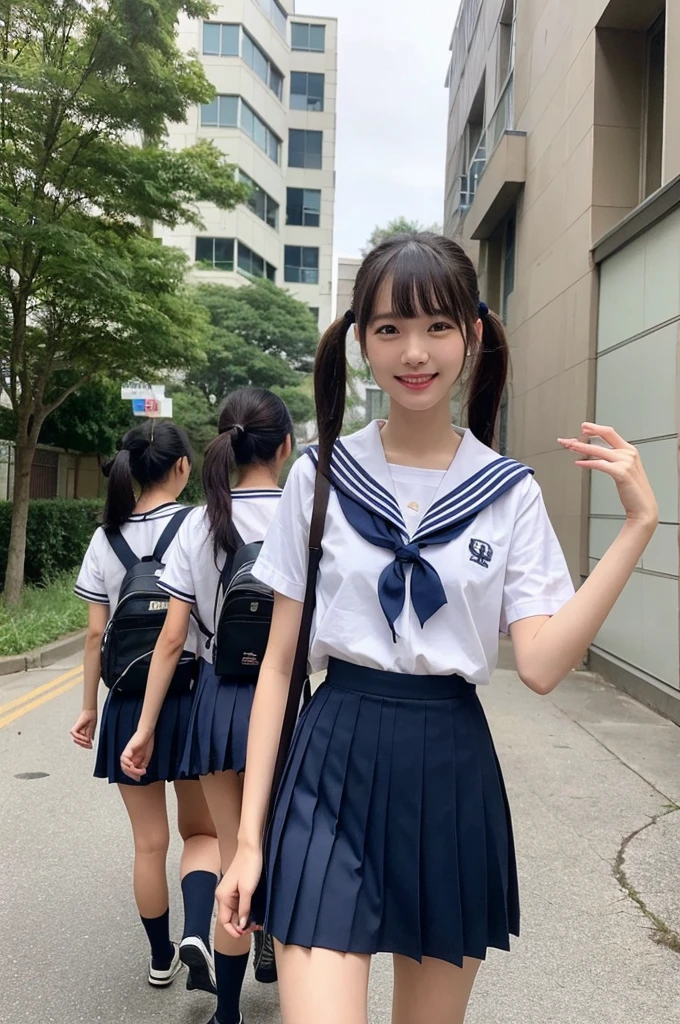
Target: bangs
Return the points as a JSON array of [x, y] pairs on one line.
[[422, 284]]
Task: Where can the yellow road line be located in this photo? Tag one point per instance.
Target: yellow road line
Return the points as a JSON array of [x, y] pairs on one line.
[[27, 697], [50, 695]]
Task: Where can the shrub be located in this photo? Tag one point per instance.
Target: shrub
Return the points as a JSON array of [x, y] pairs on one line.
[[57, 536]]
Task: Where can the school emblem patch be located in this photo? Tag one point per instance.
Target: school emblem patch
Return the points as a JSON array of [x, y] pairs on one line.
[[481, 553]]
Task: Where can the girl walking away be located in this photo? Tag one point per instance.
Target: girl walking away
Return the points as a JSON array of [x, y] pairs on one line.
[[156, 458], [391, 830], [254, 442]]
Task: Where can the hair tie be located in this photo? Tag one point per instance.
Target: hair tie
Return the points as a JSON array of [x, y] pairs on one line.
[[239, 429], [483, 310], [350, 318]]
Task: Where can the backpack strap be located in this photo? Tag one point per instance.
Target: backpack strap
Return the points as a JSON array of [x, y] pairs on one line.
[[169, 533], [225, 575], [121, 548]]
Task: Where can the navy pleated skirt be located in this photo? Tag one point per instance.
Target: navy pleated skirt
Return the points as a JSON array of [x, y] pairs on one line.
[[392, 831], [119, 723], [218, 730]]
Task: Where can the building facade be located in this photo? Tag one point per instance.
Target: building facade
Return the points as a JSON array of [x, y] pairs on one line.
[[561, 181], [274, 117]]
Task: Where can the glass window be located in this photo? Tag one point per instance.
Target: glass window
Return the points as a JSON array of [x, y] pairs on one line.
[[210, 113], [276, 15], [247, 120], [248, 50], [250, 263], [211, 38], [274, 148], [217, 252], [228, 111], [271, 272], [301, 264], [306, 91], [314, 310], [229, 45], [275, 81], [308, 37], [260, 202], [303, 207], [304, 149]]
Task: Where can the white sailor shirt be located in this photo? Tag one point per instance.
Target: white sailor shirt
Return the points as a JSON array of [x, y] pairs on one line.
[[192, 573], [457, 595]]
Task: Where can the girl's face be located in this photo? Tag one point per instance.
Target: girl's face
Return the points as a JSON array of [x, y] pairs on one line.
[[415, 361]]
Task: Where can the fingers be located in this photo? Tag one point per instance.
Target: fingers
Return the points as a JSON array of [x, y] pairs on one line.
[[607, 434], [593, 450]]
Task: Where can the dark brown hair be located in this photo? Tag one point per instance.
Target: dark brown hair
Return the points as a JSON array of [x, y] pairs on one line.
[[147, 455], [253, 425], [430, 274]]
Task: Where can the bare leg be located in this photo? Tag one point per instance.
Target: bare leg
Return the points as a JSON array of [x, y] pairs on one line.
[[223, 792], [434, 991], [148, 815], [323, 985], [194, 822]]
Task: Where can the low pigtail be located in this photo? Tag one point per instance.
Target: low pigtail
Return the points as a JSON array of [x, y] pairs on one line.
[[219, 466], [330, 383], [487, 383], [120, 492]]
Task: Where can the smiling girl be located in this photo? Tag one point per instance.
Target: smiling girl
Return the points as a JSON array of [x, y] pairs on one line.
[[391, 830]]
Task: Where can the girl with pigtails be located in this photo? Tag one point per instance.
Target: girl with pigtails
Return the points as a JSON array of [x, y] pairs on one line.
[[391, 829]]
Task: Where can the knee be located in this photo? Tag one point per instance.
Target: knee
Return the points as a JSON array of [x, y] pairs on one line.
[[152, 843], [196, 830]]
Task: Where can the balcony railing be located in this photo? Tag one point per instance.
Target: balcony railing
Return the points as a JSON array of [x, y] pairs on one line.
[[502, 120]]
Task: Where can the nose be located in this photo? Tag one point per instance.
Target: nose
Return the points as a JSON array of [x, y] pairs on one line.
[[415, 351]]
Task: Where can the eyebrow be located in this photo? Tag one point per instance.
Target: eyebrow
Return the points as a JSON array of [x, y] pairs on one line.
[[395, 316]]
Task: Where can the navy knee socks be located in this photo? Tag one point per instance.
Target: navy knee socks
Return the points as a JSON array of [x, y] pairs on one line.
[[198, 893], [158, 933], [230, 971]]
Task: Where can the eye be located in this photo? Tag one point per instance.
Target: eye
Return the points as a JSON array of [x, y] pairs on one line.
[[387, 329], [441, 326]]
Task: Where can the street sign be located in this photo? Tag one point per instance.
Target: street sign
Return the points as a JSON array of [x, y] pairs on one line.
[[152, 407], [137, 389]]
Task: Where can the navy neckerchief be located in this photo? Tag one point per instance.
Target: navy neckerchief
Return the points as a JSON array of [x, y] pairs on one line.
[[375, 514]]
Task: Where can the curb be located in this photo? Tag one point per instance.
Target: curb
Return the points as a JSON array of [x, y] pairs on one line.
[[42, 657]]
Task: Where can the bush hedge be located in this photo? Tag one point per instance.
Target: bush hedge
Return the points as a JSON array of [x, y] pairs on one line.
[[57, 536]]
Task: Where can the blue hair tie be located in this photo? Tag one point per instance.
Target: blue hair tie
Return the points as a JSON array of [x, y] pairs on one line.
[[483, 310]]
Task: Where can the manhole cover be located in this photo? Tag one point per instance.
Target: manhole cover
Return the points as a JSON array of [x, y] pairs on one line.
[[32, 775]]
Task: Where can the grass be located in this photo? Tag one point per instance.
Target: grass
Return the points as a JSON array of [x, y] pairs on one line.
[[45, 613]]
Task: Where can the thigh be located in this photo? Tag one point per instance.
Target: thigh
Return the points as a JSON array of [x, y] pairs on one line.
[[193, 814], [322, 985], [433, 991], [148, 814], [223, 792]]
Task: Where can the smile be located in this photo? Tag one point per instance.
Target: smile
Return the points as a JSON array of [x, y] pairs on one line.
[[417, 382]]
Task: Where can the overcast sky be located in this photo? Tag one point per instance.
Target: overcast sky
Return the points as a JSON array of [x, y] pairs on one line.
[[392, 105]]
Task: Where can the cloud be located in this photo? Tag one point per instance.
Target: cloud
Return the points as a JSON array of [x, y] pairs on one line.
[[392, 111]]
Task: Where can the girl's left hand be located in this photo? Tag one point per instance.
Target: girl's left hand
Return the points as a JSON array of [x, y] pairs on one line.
[[83, 731], [623, 464]]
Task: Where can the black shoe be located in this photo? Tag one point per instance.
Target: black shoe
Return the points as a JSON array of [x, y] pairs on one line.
[[214, 1020], [194, 953], [265, 962]]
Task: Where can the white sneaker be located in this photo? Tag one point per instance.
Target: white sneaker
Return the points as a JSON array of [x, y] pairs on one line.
[[198, 958], [161, 979]]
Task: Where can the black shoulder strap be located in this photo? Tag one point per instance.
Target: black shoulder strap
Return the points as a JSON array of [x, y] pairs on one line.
[[122, 549], [299, 673], [169, 533], [225, 575]]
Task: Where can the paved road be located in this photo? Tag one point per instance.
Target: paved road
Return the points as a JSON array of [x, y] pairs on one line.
[[585, 768]]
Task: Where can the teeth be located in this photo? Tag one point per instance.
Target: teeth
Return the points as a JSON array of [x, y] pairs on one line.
[[416, 380]]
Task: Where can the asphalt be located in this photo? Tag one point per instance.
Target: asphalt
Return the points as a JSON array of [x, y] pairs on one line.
[[594, 783]]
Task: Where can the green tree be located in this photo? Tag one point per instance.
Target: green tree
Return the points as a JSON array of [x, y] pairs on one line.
[[398, 226], [260, 336], [86, 90], [92, 420]]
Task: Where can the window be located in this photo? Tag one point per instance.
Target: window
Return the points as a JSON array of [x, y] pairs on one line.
[[305, 149], [303, 207], [507, 31], [217, 252], [306, 91], [260, 202], [276, 15], [314, 310], [302, 264], [654, 108], [220, 40], [233, 112], [250, 263], [233, 41], [311, 38], [508, 265]]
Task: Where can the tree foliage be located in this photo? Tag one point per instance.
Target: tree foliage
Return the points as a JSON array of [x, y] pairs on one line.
[[86, 90], [398, 226]]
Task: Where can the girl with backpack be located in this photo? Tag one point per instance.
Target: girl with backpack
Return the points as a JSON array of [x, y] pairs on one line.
[[253, 444], [391, 829], [156, 459]]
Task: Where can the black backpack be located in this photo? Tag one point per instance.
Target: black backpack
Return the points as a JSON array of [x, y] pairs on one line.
[[138, 619], [245, 616]]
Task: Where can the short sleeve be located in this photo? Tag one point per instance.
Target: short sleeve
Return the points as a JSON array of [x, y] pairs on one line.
[[537, 580], [90, 583], [282, 563], [177, 578]]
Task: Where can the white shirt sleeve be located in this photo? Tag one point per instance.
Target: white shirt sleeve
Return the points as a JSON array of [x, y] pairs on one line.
[[177, 578], [282, 563], [90, 583], [537, 580]]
